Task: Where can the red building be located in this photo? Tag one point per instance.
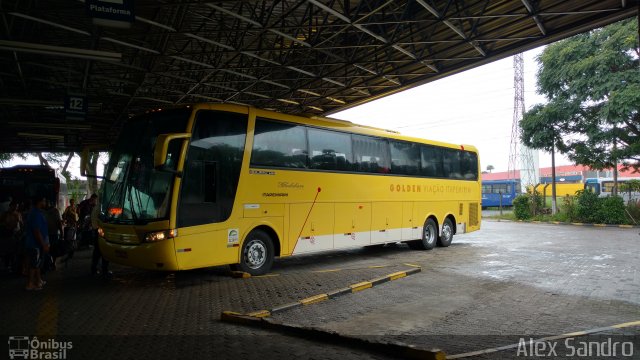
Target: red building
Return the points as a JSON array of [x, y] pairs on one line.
[[565, 173]]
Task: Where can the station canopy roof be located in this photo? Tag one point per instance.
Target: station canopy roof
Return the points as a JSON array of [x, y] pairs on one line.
[[295, 56]]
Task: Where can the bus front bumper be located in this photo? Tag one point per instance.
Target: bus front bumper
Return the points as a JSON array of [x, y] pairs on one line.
[[159, 255]]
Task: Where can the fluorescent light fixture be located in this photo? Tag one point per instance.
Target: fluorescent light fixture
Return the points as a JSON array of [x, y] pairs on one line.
[[288, 101], [41, 136], [50, 23], [200, 38], [333, 82], [275, 84], [309, 92], [301, 71], [19, 46], [258, 95], [336, 100], [50, 126]]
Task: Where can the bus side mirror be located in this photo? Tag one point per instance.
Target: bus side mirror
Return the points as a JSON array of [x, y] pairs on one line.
[[162, 147]]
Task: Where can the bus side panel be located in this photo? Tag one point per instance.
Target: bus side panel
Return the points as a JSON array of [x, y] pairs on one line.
[[422, 210], [352, 225], [410, 229], [310, 227], [386, 222], [206, 245]]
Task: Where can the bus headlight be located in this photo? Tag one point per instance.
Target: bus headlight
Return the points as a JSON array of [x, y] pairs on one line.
[[160, 235], [100, 232]]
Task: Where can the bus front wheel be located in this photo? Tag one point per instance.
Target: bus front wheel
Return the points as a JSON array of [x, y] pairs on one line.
[[257, 253], [429, 236], [447, 233]]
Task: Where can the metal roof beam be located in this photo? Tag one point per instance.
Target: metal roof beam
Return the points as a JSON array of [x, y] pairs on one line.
[[455, 29], [536, 18]]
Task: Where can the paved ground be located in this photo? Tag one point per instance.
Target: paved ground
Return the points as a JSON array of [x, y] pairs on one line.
[[488, 289]]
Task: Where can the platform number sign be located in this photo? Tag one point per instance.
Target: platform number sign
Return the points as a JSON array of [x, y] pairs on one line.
[[76, 105]]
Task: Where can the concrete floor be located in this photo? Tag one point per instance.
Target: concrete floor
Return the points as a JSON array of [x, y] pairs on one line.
[[490, 288]]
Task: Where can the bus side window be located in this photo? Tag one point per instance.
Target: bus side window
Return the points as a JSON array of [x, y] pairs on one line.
[[405, 158], [279, 144], [212, 168], [469, 165], [431, 161], [330, 150], [451, 163], [371, 154]]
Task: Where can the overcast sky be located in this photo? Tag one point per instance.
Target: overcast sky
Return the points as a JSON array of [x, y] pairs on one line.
[[474, 107]]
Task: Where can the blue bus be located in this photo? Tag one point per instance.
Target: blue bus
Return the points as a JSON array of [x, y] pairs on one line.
[[492, 190], [603, 187]]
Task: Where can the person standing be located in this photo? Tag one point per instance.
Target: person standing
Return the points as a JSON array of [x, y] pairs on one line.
[[70, 214], [37, 242], [54, 224], [97, 255], [70, 220], [84, 222], [10, 229]]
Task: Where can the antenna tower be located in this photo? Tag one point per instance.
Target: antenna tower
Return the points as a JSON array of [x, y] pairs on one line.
[[529, 170]]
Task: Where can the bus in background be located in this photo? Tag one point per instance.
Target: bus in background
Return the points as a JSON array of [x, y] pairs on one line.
[[217, 184], [493, 190], [22, 182], [603, 187]]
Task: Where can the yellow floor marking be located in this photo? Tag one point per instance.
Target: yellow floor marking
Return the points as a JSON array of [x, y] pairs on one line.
[[627, 324], [412, 265], [361, 286], [260, 313], [397, 275], [326, 271], [314, 299], [376, 266]]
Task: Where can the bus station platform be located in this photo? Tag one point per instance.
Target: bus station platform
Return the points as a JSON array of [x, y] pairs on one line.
[[487, 290]]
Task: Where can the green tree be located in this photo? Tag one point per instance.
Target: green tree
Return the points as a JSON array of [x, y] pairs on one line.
[[592, 83], [490, 168], [539, 129]]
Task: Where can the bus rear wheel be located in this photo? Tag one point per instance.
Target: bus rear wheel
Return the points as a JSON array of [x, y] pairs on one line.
[[429, 236], [257, 253], [447, 233]]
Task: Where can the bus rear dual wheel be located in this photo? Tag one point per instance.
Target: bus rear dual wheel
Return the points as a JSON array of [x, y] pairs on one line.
[[257, 254], [430, 235]]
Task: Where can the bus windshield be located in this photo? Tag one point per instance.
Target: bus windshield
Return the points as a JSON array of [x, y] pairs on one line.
[[133, 191]]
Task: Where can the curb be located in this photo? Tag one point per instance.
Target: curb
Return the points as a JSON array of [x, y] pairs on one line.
[[325, 296], [394, 349], [334, 293], [565, 223], [261, 319]]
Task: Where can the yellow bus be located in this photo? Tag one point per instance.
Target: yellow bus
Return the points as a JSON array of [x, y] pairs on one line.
[[216, 184]]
